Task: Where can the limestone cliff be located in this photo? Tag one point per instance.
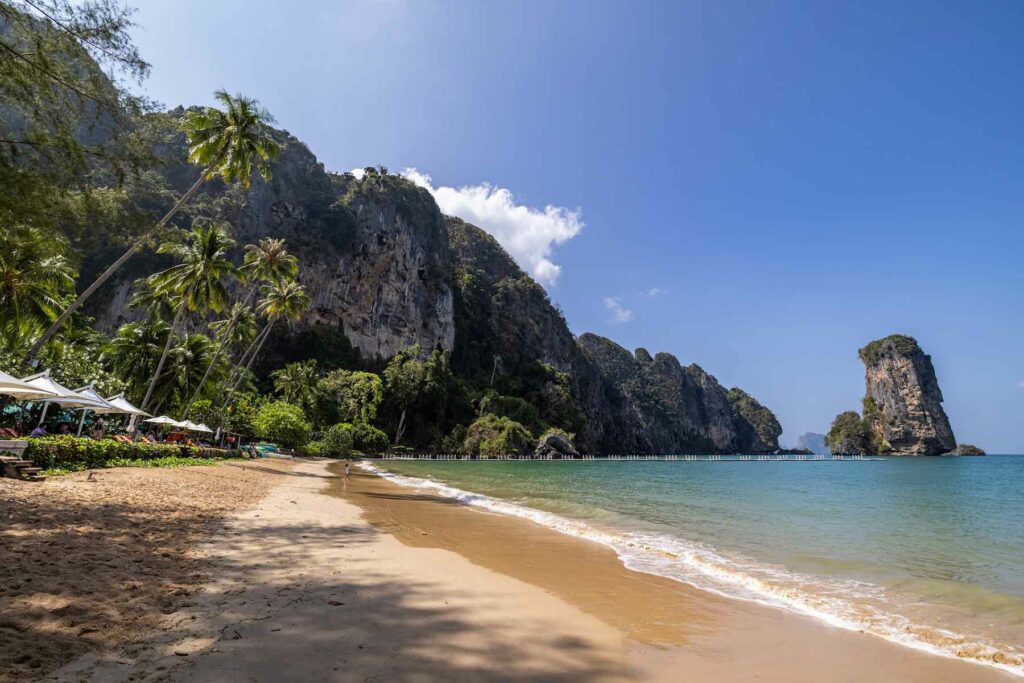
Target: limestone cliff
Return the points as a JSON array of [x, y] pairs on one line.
[[903, 402], [659, 406], [386, 270], [758, 430], [374, 251]]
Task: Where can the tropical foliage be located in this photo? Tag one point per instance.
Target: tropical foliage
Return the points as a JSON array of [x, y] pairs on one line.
[[211, 333], [282, 423]]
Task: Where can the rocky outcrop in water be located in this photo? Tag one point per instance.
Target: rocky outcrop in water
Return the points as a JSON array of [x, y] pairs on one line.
[[903, 412], [903, 402], [815, 443]]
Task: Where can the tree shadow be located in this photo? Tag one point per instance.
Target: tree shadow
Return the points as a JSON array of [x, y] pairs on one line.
[[380, 630], [100, 590]]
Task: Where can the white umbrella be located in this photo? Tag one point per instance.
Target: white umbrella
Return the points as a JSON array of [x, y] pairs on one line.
[[118, 404], [89, 391], [62, 395], [192, 426], [163, 420], [23, 391], [201, 427]]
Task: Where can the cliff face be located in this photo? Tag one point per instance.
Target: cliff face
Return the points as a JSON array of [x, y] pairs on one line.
[[656, 405], [385, 269], [903, 402], [758, 430], [374, 252]]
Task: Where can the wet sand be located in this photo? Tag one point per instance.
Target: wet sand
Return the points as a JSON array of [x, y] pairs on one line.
[[671, 627]]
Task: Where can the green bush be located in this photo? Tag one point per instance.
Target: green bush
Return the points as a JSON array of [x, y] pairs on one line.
[[282, 423], [338, 441], [313, 448], [368, 438], [73, 453], [493, 435]]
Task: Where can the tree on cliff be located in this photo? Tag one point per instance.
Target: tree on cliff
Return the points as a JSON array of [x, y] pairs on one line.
[[65, 115], [228, 143], [850, 435]]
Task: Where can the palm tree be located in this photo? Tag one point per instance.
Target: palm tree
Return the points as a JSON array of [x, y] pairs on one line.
[[237, 330], [198, 279], [133, 352], [266, 262], [282, 300], [296, 382], [226, 142], [186, 365], [34, 279]]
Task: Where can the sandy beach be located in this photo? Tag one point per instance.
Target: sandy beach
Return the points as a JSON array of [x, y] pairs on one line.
[[281, 571]]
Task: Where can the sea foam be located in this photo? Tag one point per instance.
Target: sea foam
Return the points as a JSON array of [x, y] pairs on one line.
[[851, 605]]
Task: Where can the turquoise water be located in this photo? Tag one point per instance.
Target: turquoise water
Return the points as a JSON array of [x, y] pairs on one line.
[[928, 552]]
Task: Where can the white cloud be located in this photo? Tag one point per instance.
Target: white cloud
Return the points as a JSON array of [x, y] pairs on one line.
[[358, 173], [620, 314], [654, 291], [528, 234]]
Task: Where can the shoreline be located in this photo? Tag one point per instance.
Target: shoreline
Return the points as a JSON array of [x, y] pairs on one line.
[[313, 578], [758, 622]]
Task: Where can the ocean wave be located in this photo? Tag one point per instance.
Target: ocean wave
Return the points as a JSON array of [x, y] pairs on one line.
[[851, 605]]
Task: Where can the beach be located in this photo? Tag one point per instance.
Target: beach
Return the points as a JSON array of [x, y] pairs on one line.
[[281, 570]]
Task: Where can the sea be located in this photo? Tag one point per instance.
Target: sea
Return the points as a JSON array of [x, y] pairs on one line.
[[927, 552]]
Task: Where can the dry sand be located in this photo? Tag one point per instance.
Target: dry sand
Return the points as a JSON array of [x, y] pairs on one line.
[[93, 565], [302, 586]]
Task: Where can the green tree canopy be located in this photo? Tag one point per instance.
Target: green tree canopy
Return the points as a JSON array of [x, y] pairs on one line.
[[282, 423], [349, 396]]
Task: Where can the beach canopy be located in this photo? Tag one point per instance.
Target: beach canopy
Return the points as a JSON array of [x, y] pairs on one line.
[[163, 420], [61, 395], [118, 404], [22, 390], [89, 392], [192, 426]]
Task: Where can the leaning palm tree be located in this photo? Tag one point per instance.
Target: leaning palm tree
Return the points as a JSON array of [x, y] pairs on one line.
[[198, 279], [266, 262], [34, 281], [226, 142], [287, 300]]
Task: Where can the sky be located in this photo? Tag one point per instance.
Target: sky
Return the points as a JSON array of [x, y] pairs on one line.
[[760, 188]]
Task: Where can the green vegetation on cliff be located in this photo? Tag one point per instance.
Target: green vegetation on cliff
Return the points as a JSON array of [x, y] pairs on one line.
[[894, 344]]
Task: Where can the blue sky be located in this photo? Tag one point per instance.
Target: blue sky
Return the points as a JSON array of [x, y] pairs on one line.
[[793, 179]]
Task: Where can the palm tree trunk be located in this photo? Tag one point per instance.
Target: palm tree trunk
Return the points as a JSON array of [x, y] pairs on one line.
[[241, 361], [401, 427], [262, 337], [105, 275], [216, 355], [163, 357]]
